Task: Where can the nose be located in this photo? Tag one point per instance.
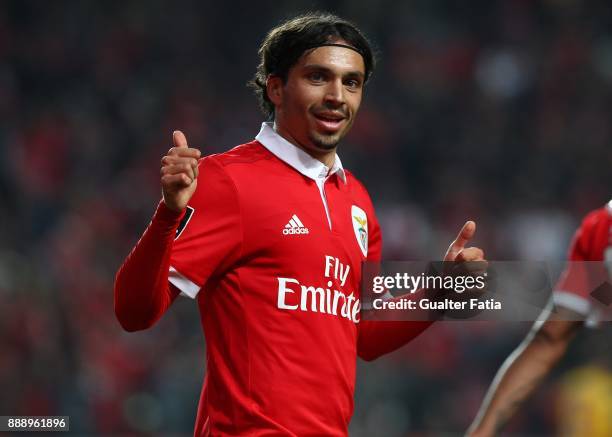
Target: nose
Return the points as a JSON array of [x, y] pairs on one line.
[[334, 94]]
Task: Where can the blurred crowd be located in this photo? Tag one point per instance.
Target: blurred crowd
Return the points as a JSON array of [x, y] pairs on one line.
[[496, 111]]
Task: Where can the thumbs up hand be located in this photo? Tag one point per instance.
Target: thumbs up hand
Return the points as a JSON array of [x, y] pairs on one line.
[[179, 173], [457, 250]]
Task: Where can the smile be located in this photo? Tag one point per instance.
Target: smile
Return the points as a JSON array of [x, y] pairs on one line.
[[329, 121]]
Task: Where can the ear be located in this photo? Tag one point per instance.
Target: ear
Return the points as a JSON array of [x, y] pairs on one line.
[[274, 88]]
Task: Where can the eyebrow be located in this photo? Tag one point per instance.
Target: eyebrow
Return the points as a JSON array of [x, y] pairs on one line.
[[355, 73]]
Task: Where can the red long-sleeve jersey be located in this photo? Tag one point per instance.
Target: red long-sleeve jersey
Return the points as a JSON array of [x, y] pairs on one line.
[[271, 247]]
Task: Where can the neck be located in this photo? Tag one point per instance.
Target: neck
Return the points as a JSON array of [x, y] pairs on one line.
[[327, 157]]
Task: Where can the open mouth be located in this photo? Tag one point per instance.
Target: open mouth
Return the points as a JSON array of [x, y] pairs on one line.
[[329, 121]]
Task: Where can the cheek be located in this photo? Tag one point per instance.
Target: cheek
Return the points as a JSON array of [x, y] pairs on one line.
[[305, 96], [354, 101]]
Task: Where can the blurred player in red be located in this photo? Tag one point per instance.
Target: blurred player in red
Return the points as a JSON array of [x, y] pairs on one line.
[[547, 342], [270, 237]]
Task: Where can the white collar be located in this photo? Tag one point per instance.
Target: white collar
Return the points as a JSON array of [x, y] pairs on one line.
[[296, 157]]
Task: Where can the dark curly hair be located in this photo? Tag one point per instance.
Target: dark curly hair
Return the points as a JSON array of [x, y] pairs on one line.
[[287, 42]]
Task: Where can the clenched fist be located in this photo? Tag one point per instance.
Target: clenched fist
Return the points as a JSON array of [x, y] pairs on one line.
[[179, 173]]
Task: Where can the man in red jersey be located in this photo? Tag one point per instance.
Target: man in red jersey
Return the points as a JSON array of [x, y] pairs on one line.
[[547, 342], [270, 237]]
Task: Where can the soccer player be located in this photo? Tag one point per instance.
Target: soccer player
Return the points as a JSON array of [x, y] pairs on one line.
[[270, 237], [547, 341]]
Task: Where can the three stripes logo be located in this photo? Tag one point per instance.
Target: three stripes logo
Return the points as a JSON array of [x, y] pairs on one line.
[[295, 226]]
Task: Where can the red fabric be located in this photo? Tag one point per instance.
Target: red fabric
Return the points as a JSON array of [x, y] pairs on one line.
[[142, 291], [377, 338], [280, 358], [211, 242], [590, 242], [593, 236]]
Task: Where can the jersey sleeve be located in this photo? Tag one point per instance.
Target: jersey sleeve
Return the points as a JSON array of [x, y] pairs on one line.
[[142, 293], [575, 283], [209, 239], [377, 337]]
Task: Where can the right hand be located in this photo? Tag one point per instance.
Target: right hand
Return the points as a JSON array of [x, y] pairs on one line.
[[179, 173]]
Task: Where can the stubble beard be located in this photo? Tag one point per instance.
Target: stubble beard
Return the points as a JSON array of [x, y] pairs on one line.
[[325, 142], [328, 142]]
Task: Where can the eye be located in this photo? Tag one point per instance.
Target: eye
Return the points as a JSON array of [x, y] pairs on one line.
[[353, 84], [316, 76]]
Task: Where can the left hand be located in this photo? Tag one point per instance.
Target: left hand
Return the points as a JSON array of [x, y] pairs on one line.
[[457, 250]]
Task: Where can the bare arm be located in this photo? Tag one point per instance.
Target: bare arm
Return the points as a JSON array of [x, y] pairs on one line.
[[523, 371]]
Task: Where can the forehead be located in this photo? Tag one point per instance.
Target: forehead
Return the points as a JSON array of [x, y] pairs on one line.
[[340, 59]]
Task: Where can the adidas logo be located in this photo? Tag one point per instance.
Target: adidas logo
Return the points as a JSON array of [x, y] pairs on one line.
[[295, 226]]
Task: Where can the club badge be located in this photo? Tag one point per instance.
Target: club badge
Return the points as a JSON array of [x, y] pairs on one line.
[[360, 226]]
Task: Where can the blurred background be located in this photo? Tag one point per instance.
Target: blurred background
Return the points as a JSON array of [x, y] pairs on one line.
[[498, 111]]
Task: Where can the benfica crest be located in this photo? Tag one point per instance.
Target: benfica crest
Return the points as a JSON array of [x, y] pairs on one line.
[[360, 226]]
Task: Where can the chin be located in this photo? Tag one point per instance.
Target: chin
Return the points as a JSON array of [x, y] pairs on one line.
[[325, 142], [327, 146]]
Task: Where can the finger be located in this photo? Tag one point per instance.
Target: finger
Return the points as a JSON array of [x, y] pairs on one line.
[[176, 181], [475, 266], [170, 160], [181, 167], [178, 169], [184, 153], [465, 234], [175, 159], [469, 268], [179, 140], [470, 254]]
